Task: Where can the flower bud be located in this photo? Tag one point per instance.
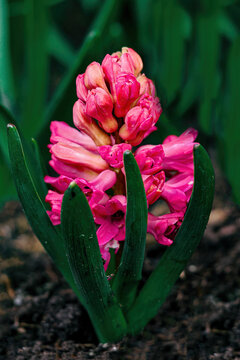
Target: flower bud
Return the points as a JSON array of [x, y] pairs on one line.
[[146, 86], [136, 59], [86, 124], [99, 105], [94, 77], [127, 64], [140, 119], [127, 92], [111, 69], [82, 91]]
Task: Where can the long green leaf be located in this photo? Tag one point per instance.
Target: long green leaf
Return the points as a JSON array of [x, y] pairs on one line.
[[231, 120], [87, 267], [33, 157], [59, 47], [37, 62], [38, 168], [177, 255], [34, 209], [60, 107], [209, 47], [5, 118], [130, 269], [7, 188], [7, 91], [174, 24]]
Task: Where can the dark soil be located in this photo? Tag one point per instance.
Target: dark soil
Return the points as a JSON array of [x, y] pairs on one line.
[[41, 318]]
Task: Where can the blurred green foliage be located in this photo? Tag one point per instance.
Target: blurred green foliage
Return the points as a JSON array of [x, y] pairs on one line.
[[190, 48]]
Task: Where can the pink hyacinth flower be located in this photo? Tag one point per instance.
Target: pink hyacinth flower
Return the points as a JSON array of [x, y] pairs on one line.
[[127, 92], [87, 125], [61, 131], [113, 155], [127, 61], [164, 227], [177, 191], [111, 218], [178, 151], [116, 109], [55, 200], [146, 86], [72, 171], [140, 119], [149, 158], [99, 105], [82, 90], [94, 77], [153, 185], [135, 58], [79, 156], [111, 68], [113, 244]]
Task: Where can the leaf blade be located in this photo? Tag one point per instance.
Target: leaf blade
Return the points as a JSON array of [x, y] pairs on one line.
[[7, 90], [177, 255], [34, 208], [87, 267], [37, 64], [130, 269], [61, 104]]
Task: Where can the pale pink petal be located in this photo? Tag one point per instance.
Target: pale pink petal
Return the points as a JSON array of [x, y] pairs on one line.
[[79, 156], [61, 131]]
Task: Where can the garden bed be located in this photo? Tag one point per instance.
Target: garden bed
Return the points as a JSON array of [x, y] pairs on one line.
[[41, 318]]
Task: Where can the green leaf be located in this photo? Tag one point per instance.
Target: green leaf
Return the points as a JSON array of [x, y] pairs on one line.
[[40, 171], [7, 188], [37, 64], [34, 209], [130, 269], [7, 91], [175, 258], [175, 20], [60, 107], [18, 8], [226, 26], [59, 47], [209, 47], [5, 118], [231, 120], [87, 266], [33, 157]]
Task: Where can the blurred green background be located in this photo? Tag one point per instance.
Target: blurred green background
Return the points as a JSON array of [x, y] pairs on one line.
[[191, 49]]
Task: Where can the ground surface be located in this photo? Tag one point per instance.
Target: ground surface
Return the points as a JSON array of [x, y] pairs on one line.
[[41, 319]]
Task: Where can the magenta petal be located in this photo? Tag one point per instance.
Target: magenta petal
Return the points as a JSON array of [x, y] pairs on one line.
[[105, 180], [114, 154], [106, 232]]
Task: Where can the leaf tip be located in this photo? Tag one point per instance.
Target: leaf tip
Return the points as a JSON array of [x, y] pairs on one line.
[[11, 126], [126, 153]]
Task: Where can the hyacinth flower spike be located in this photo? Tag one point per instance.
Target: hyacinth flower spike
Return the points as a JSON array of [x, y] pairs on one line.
[[100, 197]]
